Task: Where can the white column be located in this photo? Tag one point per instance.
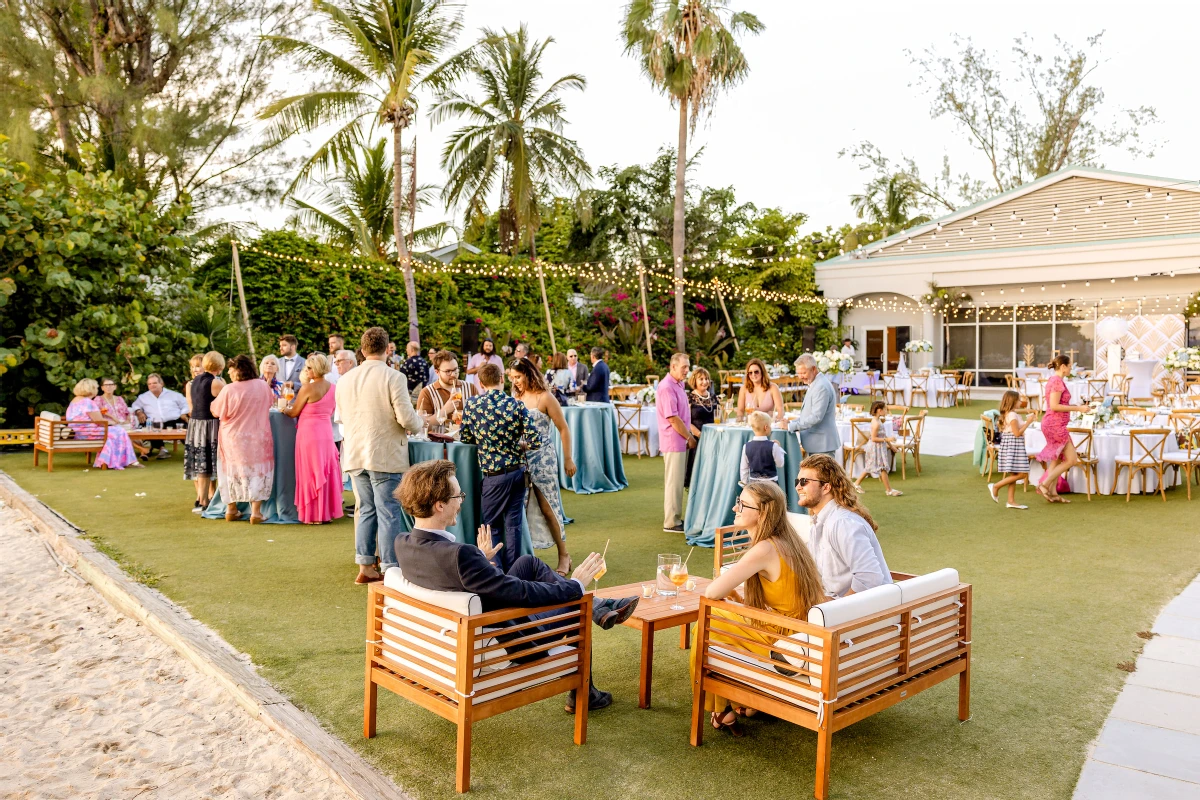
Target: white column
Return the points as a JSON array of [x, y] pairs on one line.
[[929, 333], [832, 311]]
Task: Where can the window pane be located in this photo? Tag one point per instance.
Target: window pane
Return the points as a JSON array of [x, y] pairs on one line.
[[1037, 339], [996, 314], [996, 347], [1080, 338], [956, 315], [960, 343], [1071, 311]]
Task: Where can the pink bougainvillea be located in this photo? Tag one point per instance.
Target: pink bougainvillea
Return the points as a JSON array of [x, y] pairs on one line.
[[700, 307], [620, 296]]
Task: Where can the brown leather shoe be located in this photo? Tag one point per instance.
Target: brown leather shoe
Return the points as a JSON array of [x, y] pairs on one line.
[[363, 578]]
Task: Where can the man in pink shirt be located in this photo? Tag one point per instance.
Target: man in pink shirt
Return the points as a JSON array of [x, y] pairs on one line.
[[674, 438]]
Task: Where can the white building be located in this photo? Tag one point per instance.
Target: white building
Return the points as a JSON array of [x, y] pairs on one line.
[[1072, 262]]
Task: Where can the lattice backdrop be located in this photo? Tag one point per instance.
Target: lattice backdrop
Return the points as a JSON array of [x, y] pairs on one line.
[[1151, 335]]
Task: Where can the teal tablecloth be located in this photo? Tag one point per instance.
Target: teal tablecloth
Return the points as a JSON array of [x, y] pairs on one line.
[[471, 481], [596, 448], [280, 509], [715, 479]]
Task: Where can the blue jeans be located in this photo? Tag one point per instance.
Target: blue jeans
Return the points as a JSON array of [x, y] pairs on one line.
[[502, 502], [377, 516]]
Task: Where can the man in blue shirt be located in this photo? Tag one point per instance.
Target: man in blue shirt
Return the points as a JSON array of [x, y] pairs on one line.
[[502, 428]]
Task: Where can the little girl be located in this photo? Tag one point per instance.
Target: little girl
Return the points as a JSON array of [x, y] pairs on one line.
[[1013, 459], [878, 452]]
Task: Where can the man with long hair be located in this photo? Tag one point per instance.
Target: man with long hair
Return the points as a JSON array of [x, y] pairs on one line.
[[842, 538]]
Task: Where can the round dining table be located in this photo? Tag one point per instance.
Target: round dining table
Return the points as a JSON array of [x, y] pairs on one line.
[[844, 432], [1108, 444], [596, 448], [717, 472], [933, 383]]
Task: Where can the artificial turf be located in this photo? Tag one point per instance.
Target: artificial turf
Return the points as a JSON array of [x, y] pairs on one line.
[[1060, 594]]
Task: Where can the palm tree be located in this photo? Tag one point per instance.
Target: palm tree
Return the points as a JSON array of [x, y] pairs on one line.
[[392, 50], [353, 210], [514, 137], [887, 201], [688, 50]]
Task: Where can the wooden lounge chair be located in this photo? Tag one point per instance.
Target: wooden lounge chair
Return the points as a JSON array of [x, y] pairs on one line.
[[440, 653], [851, 658], [59, 436]]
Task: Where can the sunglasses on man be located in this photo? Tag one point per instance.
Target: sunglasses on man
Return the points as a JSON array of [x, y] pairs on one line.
[[802, 482]]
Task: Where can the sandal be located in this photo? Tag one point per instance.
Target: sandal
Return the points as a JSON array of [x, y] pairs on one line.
[[1045, 493], [895, 493], [859, 489], [564, 571], [232, 515], [731, 727]]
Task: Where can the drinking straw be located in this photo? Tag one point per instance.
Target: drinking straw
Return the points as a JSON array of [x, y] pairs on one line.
[[689, 555], [602, 555]]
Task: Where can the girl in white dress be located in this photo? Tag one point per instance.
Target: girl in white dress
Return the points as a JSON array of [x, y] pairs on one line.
[[878, 452]]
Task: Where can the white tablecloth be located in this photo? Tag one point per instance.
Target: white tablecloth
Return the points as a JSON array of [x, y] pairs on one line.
[[843, 429], [1141, 374], [1108, 444], [647, 420], [1035, 372], [932, 384]]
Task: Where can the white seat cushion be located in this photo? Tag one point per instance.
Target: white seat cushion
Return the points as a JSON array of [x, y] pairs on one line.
[[50, 415], [1182, 457], [924, 585]]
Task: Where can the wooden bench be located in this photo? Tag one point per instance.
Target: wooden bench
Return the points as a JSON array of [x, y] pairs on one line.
[[437, 658], [57, 436], [16, 437], [841, 672]]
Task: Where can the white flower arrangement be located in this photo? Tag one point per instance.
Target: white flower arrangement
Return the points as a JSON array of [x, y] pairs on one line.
[[832, 361], [615, 378], [647, 396], [1183, 358], [918, 346], [776, 370]]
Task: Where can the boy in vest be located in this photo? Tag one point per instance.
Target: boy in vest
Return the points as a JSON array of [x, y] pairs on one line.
[[762, 456]]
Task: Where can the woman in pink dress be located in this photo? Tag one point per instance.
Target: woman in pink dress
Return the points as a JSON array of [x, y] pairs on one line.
[[245, 446], [118, 451], [1059, 451], [318, 468]]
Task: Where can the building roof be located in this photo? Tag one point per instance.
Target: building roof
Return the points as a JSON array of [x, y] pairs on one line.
[[1073, 206], [447, 252]]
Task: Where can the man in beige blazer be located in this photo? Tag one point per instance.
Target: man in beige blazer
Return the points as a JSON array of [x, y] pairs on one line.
[[376, 411]]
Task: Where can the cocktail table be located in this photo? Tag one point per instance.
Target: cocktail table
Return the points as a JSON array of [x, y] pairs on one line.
[[173, 435], [655, 614]]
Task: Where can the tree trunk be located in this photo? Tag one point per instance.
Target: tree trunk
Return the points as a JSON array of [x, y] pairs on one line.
[[410, 286], [677, 238], [545, 302]]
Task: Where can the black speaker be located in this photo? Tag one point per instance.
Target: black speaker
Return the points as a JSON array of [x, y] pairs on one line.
[[809, 337], [469, 337]]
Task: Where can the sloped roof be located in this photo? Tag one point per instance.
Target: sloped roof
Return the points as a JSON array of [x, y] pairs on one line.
[[1073, 206]]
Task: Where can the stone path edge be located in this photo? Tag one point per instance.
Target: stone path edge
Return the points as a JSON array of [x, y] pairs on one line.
[[203, 648]]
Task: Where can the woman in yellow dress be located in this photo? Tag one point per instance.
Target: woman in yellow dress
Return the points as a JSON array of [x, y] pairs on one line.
[[780, 576]]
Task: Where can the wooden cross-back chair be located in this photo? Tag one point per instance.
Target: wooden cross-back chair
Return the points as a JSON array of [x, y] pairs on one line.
[[1085, 442], [826, 677], [1097, 389], [650, 379], [964, 388], [860, 436], [891, 390], [622, 393], [948, 389], [910, 442], [992, 451], [1146, 446], [451, 664], [1031, 392], [1119, 386], [629, 417], [1186, 426], [920, 386], [1136, 415]]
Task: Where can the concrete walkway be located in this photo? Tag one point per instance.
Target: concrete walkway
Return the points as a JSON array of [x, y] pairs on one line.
[[1150, 745]]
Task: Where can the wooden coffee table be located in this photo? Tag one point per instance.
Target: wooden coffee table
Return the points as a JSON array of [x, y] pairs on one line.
[[655, 614], [172, 435]]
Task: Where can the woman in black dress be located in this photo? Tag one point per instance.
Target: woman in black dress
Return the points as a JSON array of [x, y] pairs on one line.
[[703, 400], [200, 447]]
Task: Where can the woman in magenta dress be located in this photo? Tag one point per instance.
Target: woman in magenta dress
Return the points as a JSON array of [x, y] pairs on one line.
[[118, 451], [318, 468], [1059, 451]]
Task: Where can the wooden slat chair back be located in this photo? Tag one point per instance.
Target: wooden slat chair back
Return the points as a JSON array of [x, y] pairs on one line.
[[629, 425], [794, 399], [948, 389], [59, 436], [965, 385], [623, 393], [898, 411], [1135, 415], [856, 448], [992, 451], [1146, 447], [920, 384], [651, 379], [1186, 426], [876, 386], [1084, 442], [1119, 385], [891, 390], [909, 437], [1097, 389], [1031, 391], [827, 678], [451, 664]]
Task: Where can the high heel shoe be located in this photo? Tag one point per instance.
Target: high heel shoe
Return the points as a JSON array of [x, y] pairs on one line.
[[567, 571]]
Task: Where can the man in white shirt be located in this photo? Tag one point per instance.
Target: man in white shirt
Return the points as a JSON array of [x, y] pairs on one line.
[[290, 364], [159, 405], [842, 538], [847, 348], [336, 343]]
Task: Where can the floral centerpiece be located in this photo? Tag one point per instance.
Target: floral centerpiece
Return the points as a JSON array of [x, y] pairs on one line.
[[775, 370], [647, 396], [615, 379], [832, 361], [918, 346], [1183, 358]]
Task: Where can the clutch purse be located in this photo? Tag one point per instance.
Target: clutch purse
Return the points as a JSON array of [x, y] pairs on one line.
[[444, 438]]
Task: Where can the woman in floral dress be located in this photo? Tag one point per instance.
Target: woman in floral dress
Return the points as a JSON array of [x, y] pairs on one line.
[[118, 452], [245, 447], [1059, 450], [549, 527]]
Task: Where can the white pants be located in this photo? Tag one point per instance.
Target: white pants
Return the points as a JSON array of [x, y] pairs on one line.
[[676, 467]]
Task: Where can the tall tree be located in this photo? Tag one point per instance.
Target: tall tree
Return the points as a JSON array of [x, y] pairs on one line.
[[689, 50], [889, 201], [514, 136], [352, 209], [162, 91], [1042, 114], [392, 51]]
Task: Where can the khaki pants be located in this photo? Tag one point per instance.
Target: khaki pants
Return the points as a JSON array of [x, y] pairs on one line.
[[676, 468]]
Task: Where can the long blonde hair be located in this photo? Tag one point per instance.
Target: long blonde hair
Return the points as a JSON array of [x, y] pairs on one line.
[[773, 526], [840, 486]]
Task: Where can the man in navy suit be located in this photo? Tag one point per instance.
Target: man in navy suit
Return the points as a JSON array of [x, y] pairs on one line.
[[596, 387], [430, 557]]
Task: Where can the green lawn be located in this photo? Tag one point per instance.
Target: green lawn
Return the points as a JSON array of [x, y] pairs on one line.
[[1060, 594], [971, 410]]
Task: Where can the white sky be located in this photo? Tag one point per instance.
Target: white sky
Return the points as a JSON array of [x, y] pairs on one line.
[[826, 75]]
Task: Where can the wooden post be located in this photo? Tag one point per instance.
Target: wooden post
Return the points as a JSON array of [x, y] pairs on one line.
[[546, 306], [237, 272], [645, 314], [728, 321]]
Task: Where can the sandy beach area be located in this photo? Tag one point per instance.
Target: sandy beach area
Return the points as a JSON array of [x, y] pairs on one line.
[[96, 706]]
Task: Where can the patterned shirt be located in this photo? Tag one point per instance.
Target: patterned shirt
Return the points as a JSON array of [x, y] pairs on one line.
[[498, 423], [416, 369]]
